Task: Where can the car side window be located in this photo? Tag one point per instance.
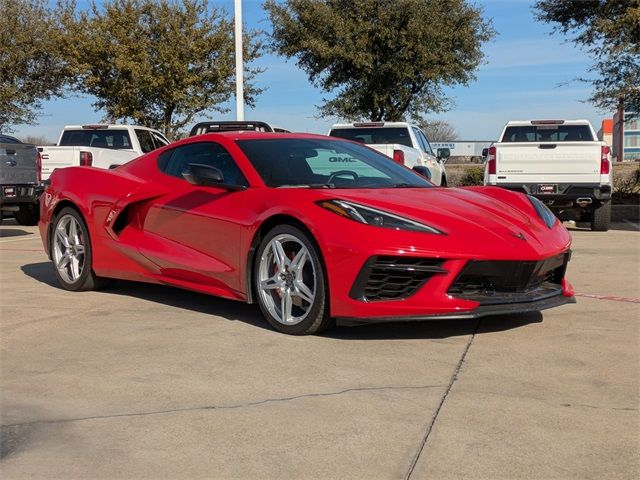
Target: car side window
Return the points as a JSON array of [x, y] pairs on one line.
[[426, 140], [146, 142], [159, 140], [416, 134], [174, 162], [422, 141]]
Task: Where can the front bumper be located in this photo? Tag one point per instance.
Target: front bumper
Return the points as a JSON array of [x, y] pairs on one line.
[[481, 311]]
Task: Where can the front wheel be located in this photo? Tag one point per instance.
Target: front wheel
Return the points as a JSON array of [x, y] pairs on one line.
[[71, 252], [290, 282]]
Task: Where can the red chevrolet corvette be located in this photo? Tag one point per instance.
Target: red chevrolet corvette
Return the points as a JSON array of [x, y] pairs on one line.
[[313, 229]]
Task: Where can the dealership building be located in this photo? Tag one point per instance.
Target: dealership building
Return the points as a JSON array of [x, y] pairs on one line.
[[626, 136], [622, 134], [463, 148]]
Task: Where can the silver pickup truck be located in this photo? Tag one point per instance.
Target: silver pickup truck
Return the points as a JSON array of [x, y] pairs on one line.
[[20, 171]]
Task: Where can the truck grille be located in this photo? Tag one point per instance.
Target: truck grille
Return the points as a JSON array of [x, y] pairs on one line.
[[393, 278]]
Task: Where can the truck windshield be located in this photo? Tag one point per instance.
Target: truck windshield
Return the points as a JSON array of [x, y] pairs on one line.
[[115, 139], [548, 133], [374, 136]]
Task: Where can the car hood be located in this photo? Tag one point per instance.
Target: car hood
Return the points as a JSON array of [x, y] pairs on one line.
[[481, 214]]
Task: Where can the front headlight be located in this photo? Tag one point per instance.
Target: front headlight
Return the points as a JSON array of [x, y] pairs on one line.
[[543, 212], [373, 216]]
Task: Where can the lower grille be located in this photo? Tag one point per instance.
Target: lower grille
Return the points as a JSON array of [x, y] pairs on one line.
[[393, 278], [493, 282]]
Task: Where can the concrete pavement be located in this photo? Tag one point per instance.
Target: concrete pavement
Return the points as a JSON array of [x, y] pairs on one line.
[[144, 381]]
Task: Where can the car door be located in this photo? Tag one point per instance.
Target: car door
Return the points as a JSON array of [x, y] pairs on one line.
[[193, 233]]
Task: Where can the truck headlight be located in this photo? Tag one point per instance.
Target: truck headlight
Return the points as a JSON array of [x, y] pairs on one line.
[[373, 216]]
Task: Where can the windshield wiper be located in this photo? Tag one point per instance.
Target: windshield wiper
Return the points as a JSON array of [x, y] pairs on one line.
[[405, 185], [308, 185]]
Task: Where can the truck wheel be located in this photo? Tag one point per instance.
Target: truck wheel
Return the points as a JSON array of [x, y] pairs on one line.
[[28, 215], [601, 217]]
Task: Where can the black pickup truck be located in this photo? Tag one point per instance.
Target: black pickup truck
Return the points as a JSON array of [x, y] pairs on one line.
[[20, 171]]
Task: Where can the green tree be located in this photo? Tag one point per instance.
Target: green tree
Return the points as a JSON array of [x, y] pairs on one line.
[[609, 30], [31, 65], [381, 59], [159, 63]]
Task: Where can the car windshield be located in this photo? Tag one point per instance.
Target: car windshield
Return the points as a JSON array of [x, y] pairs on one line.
[[319, 163]]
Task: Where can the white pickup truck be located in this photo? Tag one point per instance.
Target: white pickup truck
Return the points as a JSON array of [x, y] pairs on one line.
[[406, 144], [102, 146], [560, 162]]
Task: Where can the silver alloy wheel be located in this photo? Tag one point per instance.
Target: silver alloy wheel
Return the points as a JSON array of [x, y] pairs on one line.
[[68, 248], [287, 279]]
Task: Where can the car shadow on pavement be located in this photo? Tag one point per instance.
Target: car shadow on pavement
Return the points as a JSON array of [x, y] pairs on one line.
[[250, 314], [627, 226], [13, 232], [42, 272], [434, 329]]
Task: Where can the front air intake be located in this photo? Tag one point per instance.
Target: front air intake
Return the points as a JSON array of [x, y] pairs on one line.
[[393, 278]]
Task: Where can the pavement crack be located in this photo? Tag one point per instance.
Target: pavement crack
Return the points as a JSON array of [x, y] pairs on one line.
[[225, 407], [454, 377]]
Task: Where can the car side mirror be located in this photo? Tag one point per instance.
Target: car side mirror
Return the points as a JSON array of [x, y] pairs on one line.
[[444, 154], [422, 170], [207, 176], [485, 152]]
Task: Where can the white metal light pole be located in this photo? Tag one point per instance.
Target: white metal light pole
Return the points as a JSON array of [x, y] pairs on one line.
[[239, 66]]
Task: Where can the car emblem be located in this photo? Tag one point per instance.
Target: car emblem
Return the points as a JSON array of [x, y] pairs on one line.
[[519, 235]]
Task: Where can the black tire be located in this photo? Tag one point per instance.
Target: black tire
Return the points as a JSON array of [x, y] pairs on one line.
[[317, 317], [601, 217], [28, 215], [87, 279]]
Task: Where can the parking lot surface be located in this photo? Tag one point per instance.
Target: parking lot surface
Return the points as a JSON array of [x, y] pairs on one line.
[[143, 381]]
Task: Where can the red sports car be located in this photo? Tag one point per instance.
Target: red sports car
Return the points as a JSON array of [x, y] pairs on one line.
[[313, 229]]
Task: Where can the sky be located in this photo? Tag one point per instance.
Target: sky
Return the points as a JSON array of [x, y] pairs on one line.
[[528, 73]]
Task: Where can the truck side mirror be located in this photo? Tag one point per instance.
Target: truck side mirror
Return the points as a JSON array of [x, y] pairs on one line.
[[443, 153], [485, 152], [422, 170]]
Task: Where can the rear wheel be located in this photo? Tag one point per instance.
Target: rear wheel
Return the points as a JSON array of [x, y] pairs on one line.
[[290, 282], [28, 214], [601, 217], [71, 252]]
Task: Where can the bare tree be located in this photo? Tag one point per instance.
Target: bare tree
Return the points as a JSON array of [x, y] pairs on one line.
[[439, 131], [36, 140]]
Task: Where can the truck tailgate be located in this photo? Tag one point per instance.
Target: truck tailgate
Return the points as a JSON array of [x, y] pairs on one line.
[[17, 164], [383, 148], [58, 157], [576, 162]]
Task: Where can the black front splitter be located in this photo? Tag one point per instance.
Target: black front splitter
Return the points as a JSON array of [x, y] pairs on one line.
[[481, 311]]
